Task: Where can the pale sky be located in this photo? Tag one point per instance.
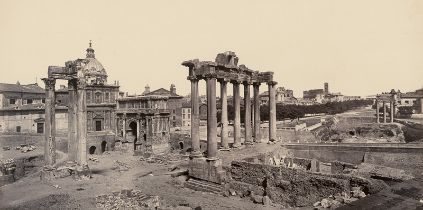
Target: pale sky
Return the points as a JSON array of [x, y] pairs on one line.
[[361, 47]]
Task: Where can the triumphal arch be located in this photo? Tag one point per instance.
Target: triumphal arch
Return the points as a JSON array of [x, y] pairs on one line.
[[225, 70]]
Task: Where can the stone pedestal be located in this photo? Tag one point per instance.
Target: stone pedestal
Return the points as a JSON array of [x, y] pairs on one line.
[[208, 170]]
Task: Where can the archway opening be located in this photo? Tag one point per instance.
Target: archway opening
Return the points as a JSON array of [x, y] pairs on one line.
[[133, 127], [92, 150], [103, 146], [181, 145]]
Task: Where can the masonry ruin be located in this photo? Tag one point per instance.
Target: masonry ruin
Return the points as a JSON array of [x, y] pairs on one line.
[[225, 69], [386, 98], [77, 116]]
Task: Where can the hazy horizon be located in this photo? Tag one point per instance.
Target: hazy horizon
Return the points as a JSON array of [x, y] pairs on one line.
[[358, 47]]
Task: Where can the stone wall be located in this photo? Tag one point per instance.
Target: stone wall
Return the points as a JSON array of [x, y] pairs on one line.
[[292, 187]]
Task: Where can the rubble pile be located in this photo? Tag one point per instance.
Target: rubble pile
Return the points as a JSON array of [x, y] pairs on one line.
[[26, 148], [127, 199], [336, 201], [120, 166], [163, 159], [7, 167]]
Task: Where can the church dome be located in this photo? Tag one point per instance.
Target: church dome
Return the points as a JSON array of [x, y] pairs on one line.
[[94, 70]]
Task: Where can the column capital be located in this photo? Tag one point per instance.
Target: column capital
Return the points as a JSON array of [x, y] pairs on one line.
[[50, 83], [247, 83], [256, 84], [192, 78], [273, 83], [237, 81], [81, 83], [223, 80], [210, 76]]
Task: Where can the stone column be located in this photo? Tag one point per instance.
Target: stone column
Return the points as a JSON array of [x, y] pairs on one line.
[[224, 116], [392, 111], [124, 127], [377, 111], [195, 119], [384, 112], [211, 119], [272, 111], [247, 114], [81, 116], [257, 132], [138, 129], [72, 120], [421, 105], [50, 123], [237, 120]]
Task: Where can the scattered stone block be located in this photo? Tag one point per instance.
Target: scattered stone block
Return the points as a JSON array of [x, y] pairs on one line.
[[267, 201]]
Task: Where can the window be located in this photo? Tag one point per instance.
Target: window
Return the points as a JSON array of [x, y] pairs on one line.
[[29, 101], [407, 102], [40, 127], [106, 98], [43, 101], [98, 125], [189, 116], [174, 118], [183, 116], [18, 129], [98, 98], [174, 111], [12, 101], [189, 110], [89, 96]]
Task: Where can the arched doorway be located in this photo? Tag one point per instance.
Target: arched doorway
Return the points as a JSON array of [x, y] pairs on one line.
[[92, 150], [103, 146], [133, 131], [181, 145]]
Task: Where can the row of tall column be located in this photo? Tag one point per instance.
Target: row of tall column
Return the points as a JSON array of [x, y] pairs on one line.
[[392, 109], [252, 122], [77, 122]]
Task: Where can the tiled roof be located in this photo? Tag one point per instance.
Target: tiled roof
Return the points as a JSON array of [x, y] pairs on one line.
[[31, 88]]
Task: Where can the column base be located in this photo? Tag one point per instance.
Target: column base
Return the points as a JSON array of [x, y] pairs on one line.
[[196, 154], [82, 172], [209, 170], [236, 145], [224, 149], [49, 173], [248, 143], [212, 158]]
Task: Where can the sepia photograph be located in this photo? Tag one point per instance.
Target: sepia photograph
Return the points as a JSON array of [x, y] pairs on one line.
[[211, 105]]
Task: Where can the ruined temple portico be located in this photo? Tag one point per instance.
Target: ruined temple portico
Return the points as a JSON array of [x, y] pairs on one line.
[[386, 98], [225, 70]]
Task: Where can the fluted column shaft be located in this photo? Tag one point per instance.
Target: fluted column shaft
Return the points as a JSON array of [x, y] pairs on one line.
[[195, 120], [82, 122], [384, 112], [247, 114], [257, 132], [237, 120], [50, 123], [377, 112], [211, 119], [224, 115], [392, 111], [72, 120], [272, 111]]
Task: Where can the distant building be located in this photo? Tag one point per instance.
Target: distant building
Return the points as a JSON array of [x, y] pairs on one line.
[[174, 103], [186, 114], [143, 124], [414, 99], [282, 95]]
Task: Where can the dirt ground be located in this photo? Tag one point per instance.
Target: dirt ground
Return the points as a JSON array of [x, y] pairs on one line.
[[150, 178]]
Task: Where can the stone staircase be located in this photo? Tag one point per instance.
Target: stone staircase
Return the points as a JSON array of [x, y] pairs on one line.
[[205, 186]]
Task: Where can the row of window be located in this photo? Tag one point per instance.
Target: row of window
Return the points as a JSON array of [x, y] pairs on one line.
[[186, 116], [25, 101]]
